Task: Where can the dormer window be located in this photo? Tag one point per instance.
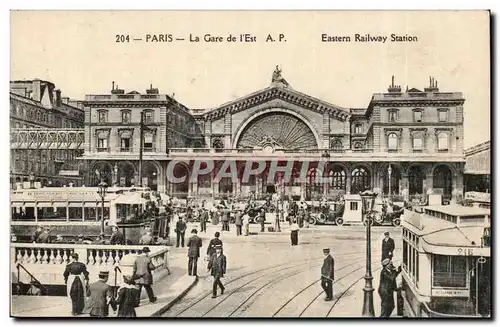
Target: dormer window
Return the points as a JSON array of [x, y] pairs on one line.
[[418, 115]]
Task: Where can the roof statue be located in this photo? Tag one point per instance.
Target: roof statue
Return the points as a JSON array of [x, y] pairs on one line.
[[277, 78]]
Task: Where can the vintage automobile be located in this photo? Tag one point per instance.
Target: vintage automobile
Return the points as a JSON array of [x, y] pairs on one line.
[[388, 213], [329, 214]]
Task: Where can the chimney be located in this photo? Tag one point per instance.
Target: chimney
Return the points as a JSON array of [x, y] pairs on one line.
[[65, 100], [37, 90], [58, 98], [152, 91], [117, 90], [394, 88], [433, 85], [112, 86]]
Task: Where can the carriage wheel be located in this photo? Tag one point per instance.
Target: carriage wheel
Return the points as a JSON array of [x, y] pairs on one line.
[[339, 221], [321, 218], [396, 222], [313, 221]]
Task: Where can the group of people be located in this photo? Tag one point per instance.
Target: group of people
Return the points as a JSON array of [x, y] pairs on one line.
[[216, 259], [96, 298]]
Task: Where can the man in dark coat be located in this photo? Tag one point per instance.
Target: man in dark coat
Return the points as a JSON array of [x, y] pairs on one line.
[[387, 287], [213, 243], [238, 222], [203, 220], [225, 221], [194, 245], [328, 274], [142, 274], [262, 219], [117, 238], [180, 230], [100, 297], [387, 247], [217, 268]]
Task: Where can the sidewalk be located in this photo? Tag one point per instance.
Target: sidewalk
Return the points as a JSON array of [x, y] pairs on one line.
[[168, 290]]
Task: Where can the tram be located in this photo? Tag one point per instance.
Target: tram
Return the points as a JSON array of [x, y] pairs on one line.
[[446, 265]]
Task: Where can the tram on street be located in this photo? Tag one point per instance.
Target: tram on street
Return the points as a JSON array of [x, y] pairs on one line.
[[76, 204], [446, 267]]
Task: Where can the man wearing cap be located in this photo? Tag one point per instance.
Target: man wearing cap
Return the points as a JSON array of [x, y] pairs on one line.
[[387, 247], [100, 297], [194, 245], [180, 230], [142, 273], [217, 268], [327, 274], [387, 287], [213, 243], [117, 237]]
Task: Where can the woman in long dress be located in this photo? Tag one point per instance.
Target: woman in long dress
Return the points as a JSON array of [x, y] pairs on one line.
[[76, 278], [127, 299]]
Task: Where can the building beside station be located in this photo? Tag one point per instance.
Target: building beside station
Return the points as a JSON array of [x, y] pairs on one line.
[[417, 133], [477, 172], [37, 105]]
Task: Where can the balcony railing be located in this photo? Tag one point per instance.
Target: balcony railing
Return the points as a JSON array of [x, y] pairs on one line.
[[129, 149], [102, 149]]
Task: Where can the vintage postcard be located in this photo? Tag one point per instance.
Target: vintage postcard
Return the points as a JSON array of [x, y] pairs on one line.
[[257, 164]]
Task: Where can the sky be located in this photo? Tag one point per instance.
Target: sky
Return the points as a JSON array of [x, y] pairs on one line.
[[78, 52]]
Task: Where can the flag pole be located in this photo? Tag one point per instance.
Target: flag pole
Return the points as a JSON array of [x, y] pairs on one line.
[[141, 145]]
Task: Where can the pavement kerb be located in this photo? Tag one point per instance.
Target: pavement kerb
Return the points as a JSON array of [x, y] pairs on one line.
[[171, 303]]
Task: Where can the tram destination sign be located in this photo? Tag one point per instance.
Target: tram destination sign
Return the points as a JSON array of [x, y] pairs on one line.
[[449, 293], [51, 196]]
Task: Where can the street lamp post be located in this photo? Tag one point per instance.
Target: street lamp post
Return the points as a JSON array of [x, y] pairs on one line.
[[102, 187], [389, 173], [115, 169], [368, 201]]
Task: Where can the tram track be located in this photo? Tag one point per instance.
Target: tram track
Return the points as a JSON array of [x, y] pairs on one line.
[[290, 265], [347, 289], [320, 293]]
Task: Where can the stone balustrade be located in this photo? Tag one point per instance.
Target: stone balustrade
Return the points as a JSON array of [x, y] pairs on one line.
[[47, 262]]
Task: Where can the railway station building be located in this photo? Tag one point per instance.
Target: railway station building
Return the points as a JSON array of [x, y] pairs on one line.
[[417, 133]]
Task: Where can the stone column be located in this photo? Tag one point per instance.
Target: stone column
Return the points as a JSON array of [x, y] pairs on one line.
[[404, 186], [457, 187], [326, 130], [348, 183], [227, 132], [208, 133]]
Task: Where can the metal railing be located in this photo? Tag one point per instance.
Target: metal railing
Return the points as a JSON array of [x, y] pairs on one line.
[[33, 279]]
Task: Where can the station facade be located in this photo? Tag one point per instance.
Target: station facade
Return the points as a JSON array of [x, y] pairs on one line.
[[417, 133]]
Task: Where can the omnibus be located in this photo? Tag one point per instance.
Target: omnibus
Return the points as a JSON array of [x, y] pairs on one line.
[[446, 267]]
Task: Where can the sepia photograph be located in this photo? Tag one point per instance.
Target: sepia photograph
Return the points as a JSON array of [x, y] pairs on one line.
[[250, 164]]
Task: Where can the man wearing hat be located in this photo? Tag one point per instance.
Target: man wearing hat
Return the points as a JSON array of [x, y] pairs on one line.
[[387, 287], [387, 247], [142, 274], [194, 245], [217, 268], [37, 233], [327, 274], [100, 297]]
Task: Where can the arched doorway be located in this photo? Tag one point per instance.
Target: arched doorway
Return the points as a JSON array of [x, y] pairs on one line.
[[150, 175], [180, 189], [360, 180], [442, 181], [126, 175], [101, 171], [416, 177], [337, 180], [225, 187], [395, 178], [314, 189]]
